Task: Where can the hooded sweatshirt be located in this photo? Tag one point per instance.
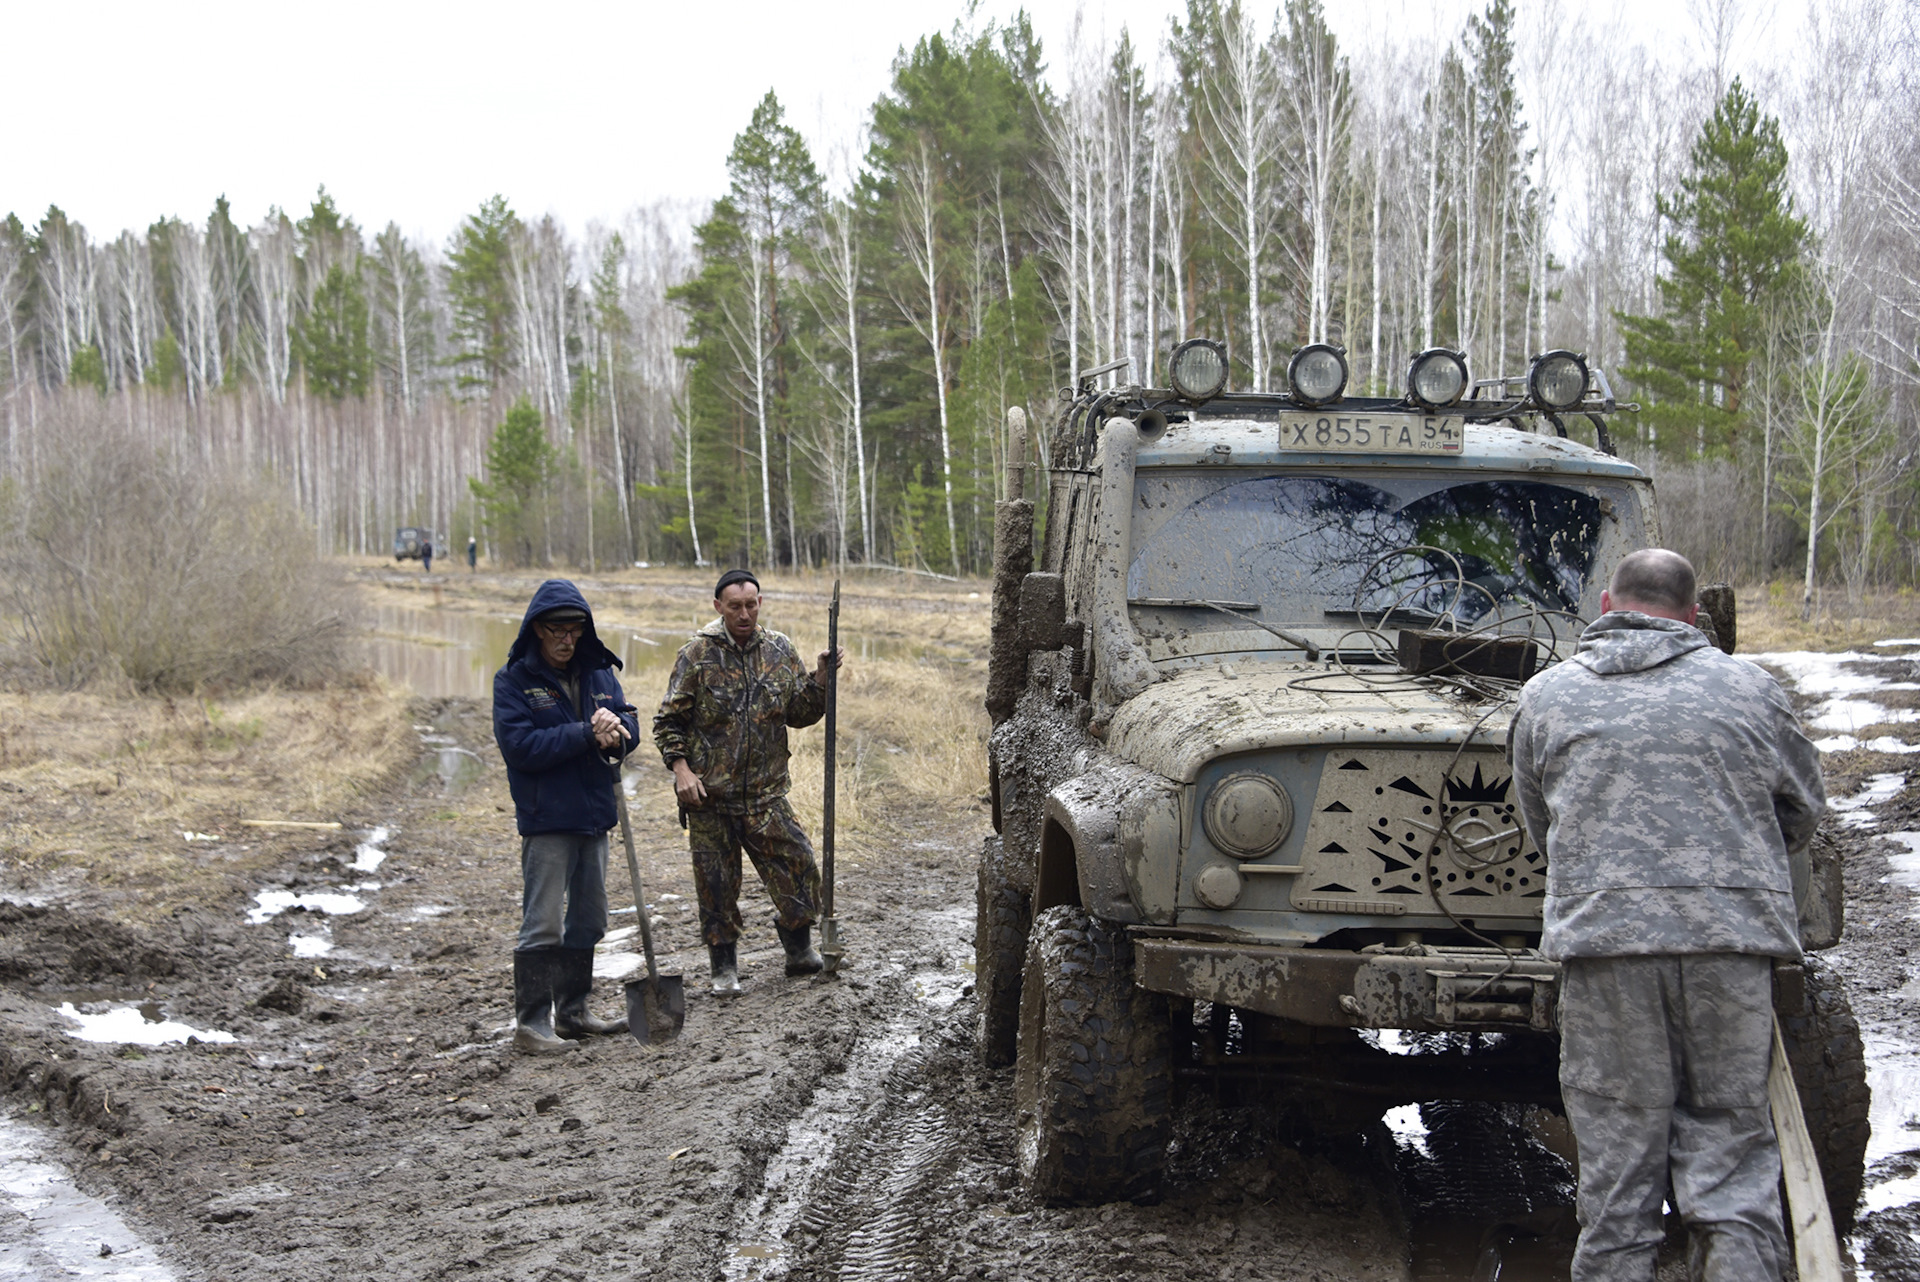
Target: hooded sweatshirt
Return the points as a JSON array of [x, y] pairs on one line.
[[560, 781], [1673, 791]]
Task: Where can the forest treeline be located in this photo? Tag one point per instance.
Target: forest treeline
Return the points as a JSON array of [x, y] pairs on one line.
[[816, 366]]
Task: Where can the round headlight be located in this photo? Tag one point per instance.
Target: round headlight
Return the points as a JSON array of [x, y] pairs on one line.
[[1248, 815], [1557, 380], [1437, 379], [1317, 374], [1198, 369]]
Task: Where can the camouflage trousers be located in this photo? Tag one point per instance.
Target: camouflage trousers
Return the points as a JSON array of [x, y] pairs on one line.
[[1663, 1067], [781, 854]]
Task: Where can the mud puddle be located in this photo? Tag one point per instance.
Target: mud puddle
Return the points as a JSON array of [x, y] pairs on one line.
[[1843, 698], [50, 1229]]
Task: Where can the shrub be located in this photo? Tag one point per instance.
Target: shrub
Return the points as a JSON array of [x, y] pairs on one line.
[[123, 560]]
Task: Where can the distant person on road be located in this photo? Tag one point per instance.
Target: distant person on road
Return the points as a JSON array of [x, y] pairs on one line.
[[426, 556], [1675, 796], [558, 716], [473, 553], [722, 730]]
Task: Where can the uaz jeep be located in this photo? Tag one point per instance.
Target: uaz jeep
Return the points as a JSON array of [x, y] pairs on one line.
[[1248, 768]]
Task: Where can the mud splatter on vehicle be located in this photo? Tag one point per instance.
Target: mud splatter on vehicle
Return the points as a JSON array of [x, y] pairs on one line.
[[1251, 798]]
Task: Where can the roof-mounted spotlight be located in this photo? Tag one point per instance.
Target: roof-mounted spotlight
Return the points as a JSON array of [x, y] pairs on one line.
[[1317, 375], [1558, 380], [1198, 370], [1437, 379]]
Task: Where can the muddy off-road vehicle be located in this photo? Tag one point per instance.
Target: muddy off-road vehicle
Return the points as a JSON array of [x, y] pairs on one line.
[[1248, 769]]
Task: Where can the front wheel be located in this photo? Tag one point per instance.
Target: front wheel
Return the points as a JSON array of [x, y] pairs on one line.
[[1092, 1087]]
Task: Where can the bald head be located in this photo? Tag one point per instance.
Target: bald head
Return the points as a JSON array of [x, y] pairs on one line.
[[1654, 581]]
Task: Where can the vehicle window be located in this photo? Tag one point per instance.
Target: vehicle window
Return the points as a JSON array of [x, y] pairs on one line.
[[1299, 545]]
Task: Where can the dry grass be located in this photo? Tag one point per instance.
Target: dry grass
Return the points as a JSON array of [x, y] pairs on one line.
[[913, 727], [97, 788], [1770, 619], [913, 741]]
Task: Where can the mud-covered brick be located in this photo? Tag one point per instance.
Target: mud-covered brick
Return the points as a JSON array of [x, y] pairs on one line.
[[1717, 600], [1012, 559], [1043, 611], [1509, 658]]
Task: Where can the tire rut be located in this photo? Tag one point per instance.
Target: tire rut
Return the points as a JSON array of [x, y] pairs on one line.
[[887, 1182]]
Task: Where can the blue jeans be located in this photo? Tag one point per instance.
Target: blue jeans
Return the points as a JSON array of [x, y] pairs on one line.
[[563, 899]]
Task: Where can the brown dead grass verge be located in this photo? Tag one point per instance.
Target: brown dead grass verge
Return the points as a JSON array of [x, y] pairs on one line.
[[1770, 619], [99, 788]]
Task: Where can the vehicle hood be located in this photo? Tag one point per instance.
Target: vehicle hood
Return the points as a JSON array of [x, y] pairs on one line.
[[1180, 723]]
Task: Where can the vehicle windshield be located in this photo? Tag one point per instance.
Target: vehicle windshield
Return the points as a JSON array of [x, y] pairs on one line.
[[1298, 550]]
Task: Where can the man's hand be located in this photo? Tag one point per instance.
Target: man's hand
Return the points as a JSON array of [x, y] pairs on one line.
[[827, 662], [686, 784], [607, 730]]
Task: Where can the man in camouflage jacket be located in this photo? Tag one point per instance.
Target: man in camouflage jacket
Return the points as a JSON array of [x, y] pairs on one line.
[[1676, 796], [722, 731]]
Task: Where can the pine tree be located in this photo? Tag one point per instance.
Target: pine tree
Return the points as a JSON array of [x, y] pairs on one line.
[[1736, 250], [330, 342], [521, 464], [480, 294], [740, 318]]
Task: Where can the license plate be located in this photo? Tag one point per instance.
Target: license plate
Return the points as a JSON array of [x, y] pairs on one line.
[[1372, 433]]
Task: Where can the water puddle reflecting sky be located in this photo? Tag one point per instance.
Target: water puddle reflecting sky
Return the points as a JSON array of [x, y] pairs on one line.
[[50, 1229]]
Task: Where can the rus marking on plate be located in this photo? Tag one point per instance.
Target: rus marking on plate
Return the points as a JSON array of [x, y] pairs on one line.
[[1372, 433]]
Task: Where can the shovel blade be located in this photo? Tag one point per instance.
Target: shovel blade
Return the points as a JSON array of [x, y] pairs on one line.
[[656, 1008]]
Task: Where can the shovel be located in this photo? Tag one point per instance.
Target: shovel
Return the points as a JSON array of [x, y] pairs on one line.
[[656, 1005]]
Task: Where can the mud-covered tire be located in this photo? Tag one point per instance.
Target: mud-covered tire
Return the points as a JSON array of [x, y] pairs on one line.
[[1092, 1088], [1830, 1072], [1002, 915]]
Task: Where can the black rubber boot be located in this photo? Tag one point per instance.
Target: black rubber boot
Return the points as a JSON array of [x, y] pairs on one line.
[[534, 972], [725, 964], [802, 957], [570, 990]]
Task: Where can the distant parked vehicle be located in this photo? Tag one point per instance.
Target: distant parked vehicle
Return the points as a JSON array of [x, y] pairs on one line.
[[410, 541]]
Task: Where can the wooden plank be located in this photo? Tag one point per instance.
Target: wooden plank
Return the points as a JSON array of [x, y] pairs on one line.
[[1816, 1247]]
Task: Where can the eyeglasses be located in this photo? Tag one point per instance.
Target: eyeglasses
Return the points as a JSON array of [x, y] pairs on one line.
[[564, 631]]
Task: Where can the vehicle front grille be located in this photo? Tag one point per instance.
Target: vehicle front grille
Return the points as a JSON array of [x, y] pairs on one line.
[[1389, 826]]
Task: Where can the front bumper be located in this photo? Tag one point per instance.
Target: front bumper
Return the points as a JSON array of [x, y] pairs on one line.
[[1419, 987]]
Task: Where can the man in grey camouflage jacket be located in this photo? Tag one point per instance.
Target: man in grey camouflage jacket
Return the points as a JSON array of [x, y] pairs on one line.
[[1676, 796]]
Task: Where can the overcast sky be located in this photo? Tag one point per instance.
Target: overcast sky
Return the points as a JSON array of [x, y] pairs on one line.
[[416, 112]]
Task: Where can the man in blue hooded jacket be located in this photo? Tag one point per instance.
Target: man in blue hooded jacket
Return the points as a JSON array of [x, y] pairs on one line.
[[558, 716]]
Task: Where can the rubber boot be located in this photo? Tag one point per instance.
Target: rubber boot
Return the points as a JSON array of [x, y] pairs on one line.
[[570, 990], [802, 957], [725, 964], [533, 981]]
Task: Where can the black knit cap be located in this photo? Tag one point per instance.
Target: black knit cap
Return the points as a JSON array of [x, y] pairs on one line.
[[732, 577]]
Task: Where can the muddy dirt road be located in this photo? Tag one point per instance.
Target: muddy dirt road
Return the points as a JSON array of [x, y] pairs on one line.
[[367, 1119]]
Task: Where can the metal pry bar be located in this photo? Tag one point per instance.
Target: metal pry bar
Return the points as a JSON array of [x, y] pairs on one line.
[[831, 949]]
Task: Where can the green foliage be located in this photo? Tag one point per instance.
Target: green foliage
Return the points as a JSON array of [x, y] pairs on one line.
[[168, 371], [740, 332], [1735, 254], [89, 369], [480, 295], [330, 341], [521, 464]]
